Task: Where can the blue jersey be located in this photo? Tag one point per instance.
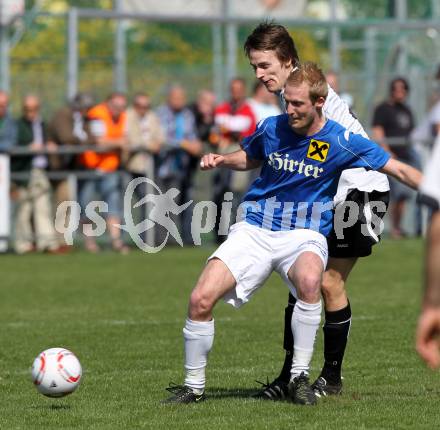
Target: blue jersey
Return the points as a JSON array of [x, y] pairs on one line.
[[299, 176]]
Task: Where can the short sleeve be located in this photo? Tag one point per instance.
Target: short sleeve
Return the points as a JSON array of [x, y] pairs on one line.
[[361, 152], [253, 145], [336, 109]]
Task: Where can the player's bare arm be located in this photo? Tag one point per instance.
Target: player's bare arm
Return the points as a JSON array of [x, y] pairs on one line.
[[237, 160], [432, 271], [428, 330], [403, 172], [428, 335], [378, 136]]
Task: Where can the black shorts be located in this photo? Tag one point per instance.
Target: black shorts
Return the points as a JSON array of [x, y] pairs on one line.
[[358, 238]]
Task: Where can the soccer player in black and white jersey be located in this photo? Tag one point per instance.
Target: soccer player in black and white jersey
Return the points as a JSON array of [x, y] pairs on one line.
[[273, 56], [428, 331]]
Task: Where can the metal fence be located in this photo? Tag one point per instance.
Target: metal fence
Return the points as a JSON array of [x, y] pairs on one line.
[[202, 187], [366, 53]]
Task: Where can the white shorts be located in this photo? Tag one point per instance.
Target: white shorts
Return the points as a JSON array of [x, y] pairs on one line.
[[253, 253]]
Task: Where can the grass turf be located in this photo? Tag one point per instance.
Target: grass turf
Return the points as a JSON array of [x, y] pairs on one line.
[[123, 316]]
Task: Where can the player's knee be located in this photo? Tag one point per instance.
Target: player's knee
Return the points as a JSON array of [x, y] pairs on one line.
[[332, 285], [309, 287], [200, 305]]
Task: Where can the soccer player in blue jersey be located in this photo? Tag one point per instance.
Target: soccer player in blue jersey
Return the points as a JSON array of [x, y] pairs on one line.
[[287, 214], [273, 55]]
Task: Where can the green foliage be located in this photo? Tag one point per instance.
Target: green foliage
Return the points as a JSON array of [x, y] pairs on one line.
[[157, 54], [43, 41], [50, 5], [170, 43], [385, 8], [307, 47]]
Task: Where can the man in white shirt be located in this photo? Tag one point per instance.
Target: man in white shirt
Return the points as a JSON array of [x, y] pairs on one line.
[[273, 56]]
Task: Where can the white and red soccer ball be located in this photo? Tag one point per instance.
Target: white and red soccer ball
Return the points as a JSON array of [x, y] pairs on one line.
[[56, 372]]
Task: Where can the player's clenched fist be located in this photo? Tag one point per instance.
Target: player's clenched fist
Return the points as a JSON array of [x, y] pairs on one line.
[[210, 161], [428, 337]]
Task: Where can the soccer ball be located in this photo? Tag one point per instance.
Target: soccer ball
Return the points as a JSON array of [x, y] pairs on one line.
[[56, 372]]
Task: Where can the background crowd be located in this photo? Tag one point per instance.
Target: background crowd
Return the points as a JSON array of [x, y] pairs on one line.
[[125, 139], [122, 140]]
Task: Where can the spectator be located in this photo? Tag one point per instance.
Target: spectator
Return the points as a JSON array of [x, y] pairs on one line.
[[181, 144], [144, 133], [203, 109], [235, 120], [108, 122], [8, 127], [145, 139], [263, 103], [69, 126], [33, 195], [235, 117], [394, 119]]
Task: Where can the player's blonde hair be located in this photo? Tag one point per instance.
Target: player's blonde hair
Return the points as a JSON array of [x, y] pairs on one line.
[[312, 75]]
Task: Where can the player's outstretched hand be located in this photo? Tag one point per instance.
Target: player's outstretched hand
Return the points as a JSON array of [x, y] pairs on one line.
[[211, 161], [428, 337]]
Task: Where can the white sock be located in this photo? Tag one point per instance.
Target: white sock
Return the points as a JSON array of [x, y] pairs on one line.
[[198, 338], [305, 322]]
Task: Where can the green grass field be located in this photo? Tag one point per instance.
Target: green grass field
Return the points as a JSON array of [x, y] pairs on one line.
[[123, 317]]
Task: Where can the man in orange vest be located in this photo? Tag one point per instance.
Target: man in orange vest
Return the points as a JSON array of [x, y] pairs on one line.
[[108, 125]]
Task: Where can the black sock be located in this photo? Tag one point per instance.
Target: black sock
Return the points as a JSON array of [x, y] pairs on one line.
[[336, 329], [288, 340]]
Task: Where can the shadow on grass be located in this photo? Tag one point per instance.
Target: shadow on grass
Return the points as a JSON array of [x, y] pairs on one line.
[[227, 393], [397, 394]]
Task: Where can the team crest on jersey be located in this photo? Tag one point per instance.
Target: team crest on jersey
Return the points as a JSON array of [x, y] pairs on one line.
[[318, 150]]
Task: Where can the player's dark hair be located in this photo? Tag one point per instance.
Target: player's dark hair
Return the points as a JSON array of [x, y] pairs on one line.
[[311, 74], [268, 36], [403, 81]]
